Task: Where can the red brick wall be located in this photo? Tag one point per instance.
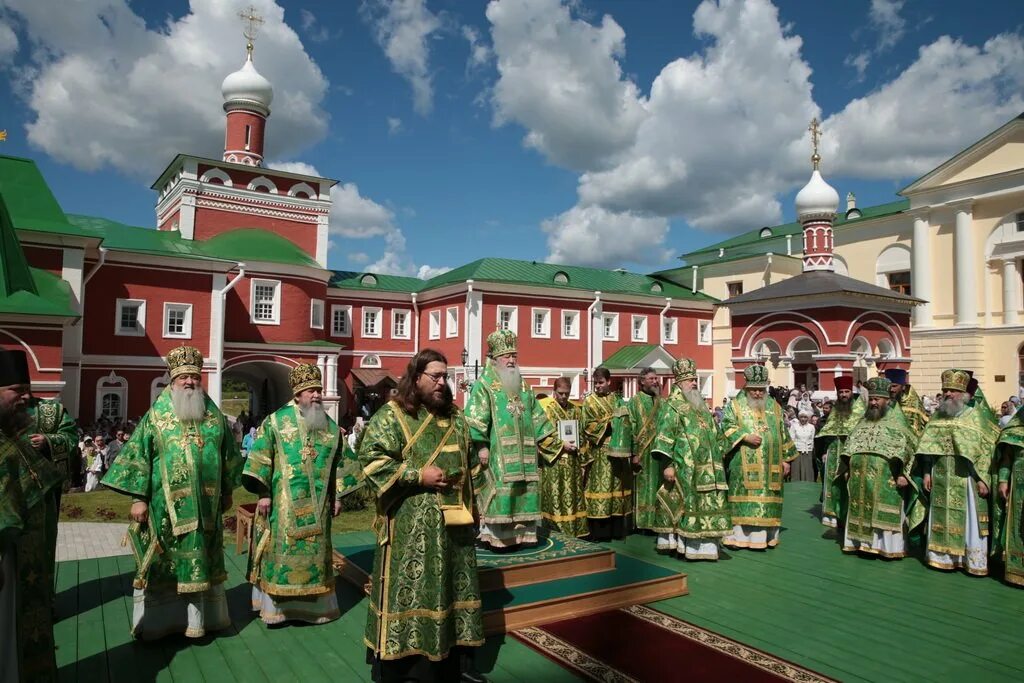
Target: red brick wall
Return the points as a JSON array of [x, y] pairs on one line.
[[45, 258], [234, 138], [213, 222], [294, 326]]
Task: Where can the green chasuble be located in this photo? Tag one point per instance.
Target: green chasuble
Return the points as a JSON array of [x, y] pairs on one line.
[[876, 454], [960, 449], [1008, 526], [913, 411], [696, 505], [295, 467], [755, 474], [561, 480], [644, 411], [184, 470], [27, 483], [49, 418], [424, 592], [835, 431], [515, 429], [608, 430]]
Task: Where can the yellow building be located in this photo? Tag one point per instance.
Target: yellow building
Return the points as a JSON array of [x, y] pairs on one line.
[[955, 240]]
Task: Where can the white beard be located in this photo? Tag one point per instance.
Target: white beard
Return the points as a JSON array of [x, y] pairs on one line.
[[951, 407], [315, 416], [511, 379], [755, 403], [693, 396], [189, 404]]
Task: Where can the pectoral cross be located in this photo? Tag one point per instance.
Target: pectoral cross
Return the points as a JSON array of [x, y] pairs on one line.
[[193, 436], [515, 406], [815, 129], [308, 453]]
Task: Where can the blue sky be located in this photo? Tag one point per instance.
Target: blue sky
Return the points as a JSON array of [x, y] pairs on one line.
[[518, 128]]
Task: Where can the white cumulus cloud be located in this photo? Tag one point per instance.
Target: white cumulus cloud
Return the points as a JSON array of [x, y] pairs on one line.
[[403, 29], [105, 91], [8, 42], [887, 22], [597, 237]]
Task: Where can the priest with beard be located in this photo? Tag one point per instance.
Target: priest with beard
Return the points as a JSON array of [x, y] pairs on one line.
[[644, 411], [180, 467], [846, 413], [758, 452], [608, 429], [510, 431], [904, 395], [955, 454], [292, 467], [28, 483], [876, 466], [693, 507]]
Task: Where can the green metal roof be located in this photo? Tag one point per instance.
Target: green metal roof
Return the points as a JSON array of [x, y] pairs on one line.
[[627, 357], [30, 202], [252, 244], [346, 279]]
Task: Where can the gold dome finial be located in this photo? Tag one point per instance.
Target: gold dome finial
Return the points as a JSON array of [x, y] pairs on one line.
[[253, 22], [815, 129]]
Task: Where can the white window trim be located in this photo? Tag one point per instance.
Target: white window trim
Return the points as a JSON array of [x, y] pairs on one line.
[[378, 333], [313, 304], [157, 386], [120, 388], [395, 312], [700, 341], [187, 333], [614, 336], [513, 322], [673, 336], [632, 328], [276, 320], [545, 333], [434, 332], [346, 332], [450, 329], [121, 332], [575, 324]]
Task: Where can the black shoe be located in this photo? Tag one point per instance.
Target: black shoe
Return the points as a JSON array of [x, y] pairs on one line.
[[473, 677]]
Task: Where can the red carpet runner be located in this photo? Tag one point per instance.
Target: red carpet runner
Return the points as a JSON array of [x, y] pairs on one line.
[[641, 644]]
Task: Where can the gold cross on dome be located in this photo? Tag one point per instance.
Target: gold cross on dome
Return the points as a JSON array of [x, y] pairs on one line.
[[252, 22], [3, 135], [815, 129]]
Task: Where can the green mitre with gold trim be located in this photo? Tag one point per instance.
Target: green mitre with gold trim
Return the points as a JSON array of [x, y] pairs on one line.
[[305, 376], [502, 343]]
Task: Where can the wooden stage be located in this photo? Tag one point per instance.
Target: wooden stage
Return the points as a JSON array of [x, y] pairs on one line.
[[851, 618]]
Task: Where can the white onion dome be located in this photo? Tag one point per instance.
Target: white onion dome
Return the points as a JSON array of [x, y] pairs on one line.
[[817, 197], [247, 86]]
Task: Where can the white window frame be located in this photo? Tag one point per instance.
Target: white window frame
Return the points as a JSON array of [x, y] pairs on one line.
[[434, 323], [704, 324], [186, 332], [545, 331], [120, 389], [276, 304], [451, 324], [314, 305], [614, 334], [575, 330], [670, 336], [642, 337], [513, 321], [347, 331], [377, 332], [127, 331], [395, 312]]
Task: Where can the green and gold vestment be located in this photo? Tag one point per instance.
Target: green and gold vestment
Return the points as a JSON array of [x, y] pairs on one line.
[[957, 451], [424, 593], [836, 429], [1008, 522], [49, 418], [295, 467], [696, 505], [608, 430], [561, 480], [184, 471], [876, 454], [755, 474], [515, 429], [913, 411], [644, 412]]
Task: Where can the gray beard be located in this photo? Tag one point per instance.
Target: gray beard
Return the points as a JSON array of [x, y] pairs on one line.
[[511, 379], [875, 414], [951, 407], [189, 404], [843, 406], [756, 403], [315, 416], [650, 391], [694, 398]]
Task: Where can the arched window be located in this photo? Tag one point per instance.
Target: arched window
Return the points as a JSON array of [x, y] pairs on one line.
[[157, 386], [892, 269], [561, 278], [302, 191], [263, 184], [370, 360], [112, 397]]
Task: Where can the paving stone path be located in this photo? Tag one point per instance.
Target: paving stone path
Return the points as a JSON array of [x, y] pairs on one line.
[[88, 540]]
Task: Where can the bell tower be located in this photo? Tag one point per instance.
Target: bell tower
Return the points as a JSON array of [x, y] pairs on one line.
[[247, 97]]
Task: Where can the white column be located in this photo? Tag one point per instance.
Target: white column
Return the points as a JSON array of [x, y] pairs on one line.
[[1011, 284], [72, 271], [966, 270], [921, 271], [219, 281], [332, 375]]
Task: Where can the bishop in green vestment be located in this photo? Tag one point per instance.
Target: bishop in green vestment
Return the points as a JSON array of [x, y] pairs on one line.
[[180, 467], [758, 451], [608, 430], [511, 433], [644, 410], [418, 460], [955, 453], [847, 411], [561, 480], [292, 467], [693, 511], [27, 511], [877, 455], [1008, 525]]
